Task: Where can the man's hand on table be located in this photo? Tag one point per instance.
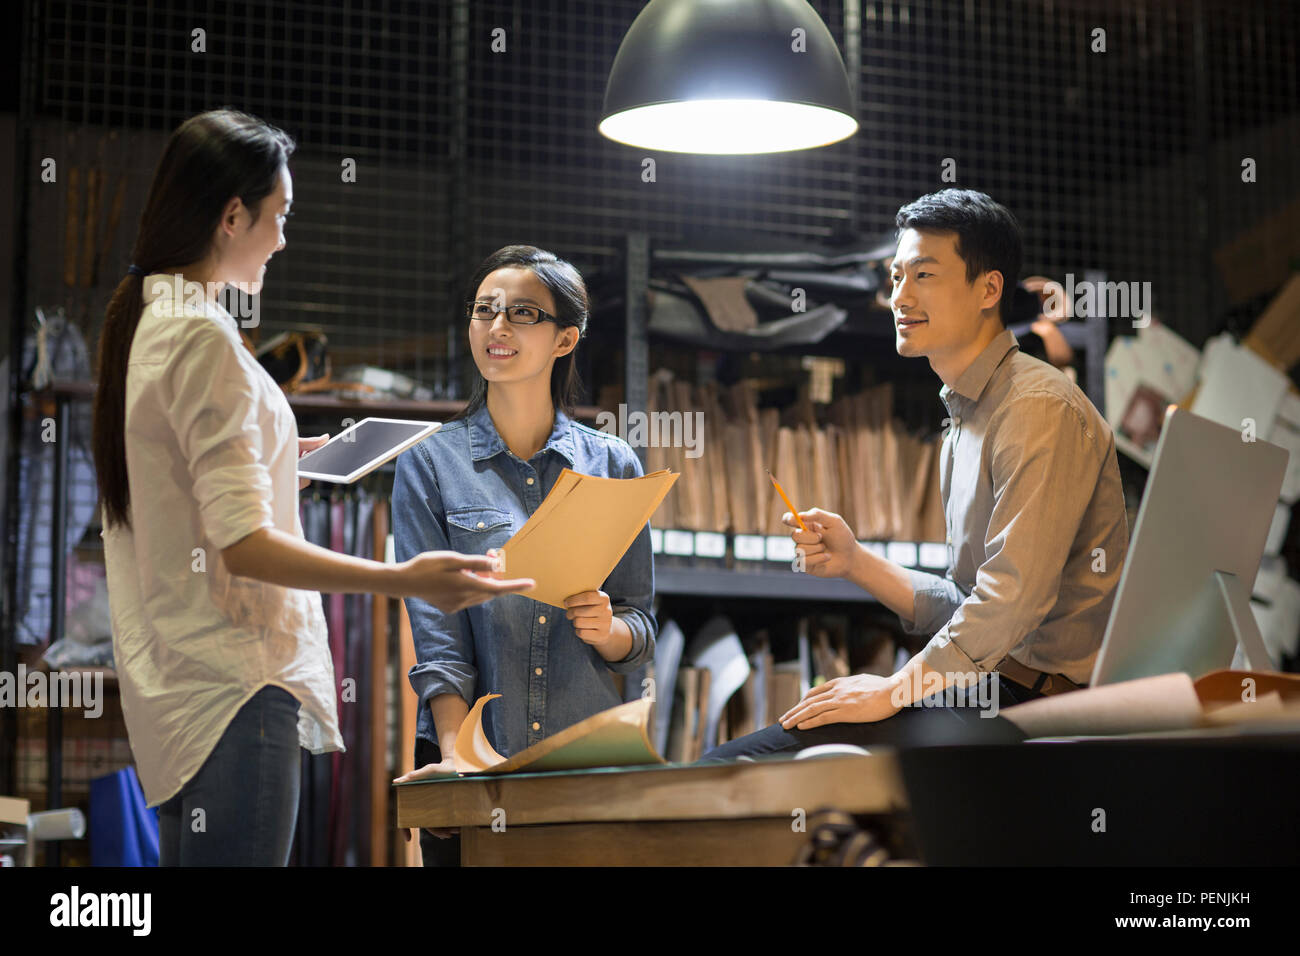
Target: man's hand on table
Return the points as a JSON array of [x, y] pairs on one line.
[[857, 699]]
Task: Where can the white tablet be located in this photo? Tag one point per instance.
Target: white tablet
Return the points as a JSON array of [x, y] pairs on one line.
[[361, 448]]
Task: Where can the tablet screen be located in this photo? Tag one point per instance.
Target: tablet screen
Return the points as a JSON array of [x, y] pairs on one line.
[[362, 448]]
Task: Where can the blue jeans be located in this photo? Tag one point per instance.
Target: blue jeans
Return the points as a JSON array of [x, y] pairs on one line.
[[247, 792]]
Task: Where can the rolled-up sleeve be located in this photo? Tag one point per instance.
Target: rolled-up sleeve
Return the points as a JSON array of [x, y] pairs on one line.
[[211, 408], [444, 647], [935, 599], [631, 587], [1044, 466]]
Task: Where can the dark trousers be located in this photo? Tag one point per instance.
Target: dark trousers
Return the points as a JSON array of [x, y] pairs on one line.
[[931, 723], [434, 850]]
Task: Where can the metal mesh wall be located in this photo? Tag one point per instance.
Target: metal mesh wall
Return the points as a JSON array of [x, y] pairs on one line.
[[1127, 160]]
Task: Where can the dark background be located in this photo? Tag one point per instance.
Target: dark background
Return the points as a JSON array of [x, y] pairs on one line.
[[1127, 161]]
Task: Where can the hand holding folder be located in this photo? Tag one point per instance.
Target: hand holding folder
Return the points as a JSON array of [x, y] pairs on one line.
[[580, 532]]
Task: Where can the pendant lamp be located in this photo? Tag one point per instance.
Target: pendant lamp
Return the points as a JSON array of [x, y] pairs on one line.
[[728, 76]]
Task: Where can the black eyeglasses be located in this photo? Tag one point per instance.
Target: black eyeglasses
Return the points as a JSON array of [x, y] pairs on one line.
[[516, 314]]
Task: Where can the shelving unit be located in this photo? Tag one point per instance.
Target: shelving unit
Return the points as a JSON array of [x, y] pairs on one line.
[[1087, 336], [772, 585]]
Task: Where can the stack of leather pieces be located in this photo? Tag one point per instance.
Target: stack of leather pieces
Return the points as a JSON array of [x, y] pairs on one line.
[[861, 463]]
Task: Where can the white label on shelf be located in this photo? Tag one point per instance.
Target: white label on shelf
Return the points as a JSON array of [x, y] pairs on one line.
[[679, 542], [901, 552], [780, 547], [749, 547], [656, 540], [875, 547], [710, 544], [934, 555]]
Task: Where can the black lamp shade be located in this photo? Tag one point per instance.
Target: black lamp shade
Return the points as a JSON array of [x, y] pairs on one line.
[[728, 76]]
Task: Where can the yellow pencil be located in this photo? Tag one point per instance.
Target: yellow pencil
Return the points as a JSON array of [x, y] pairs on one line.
[[786, 498]]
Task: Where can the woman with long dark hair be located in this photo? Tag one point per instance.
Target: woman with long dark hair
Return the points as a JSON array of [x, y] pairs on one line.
[[219, 637], [474, 483]]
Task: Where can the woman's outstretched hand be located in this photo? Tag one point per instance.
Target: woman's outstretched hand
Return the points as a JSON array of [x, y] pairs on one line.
[[452, 582]]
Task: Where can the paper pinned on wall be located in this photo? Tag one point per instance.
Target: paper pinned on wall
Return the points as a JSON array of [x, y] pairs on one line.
[[1144, 373], [1236, 385], [580, 532], [1169, 360]]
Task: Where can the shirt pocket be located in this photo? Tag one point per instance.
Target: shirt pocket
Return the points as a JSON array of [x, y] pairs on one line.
[[475, 530]]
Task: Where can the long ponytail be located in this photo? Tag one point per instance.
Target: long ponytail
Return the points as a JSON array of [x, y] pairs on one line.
[[210, 159]]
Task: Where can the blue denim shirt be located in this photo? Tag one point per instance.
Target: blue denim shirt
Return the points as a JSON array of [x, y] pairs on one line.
[[462, 489]]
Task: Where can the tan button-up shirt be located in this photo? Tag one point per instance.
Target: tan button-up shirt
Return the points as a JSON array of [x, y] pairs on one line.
[[1037, 530]]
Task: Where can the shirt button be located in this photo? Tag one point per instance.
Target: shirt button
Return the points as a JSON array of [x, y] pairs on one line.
[[529, 481], [537, 671], [536, 725], [542, 619], [480, 524]]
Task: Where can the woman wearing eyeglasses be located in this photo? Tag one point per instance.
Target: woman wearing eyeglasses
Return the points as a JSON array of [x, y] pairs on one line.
[[473, 484]]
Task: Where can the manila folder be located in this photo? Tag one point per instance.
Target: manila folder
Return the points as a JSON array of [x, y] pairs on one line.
[[580, 532]]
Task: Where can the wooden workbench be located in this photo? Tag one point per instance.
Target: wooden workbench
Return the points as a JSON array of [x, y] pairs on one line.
[[735, 814]]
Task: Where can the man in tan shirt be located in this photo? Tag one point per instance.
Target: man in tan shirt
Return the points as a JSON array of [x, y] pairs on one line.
[[1037, 529]]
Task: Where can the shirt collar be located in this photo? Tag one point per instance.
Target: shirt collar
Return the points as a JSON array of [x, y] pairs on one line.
[[485, 441], [971, 383]]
